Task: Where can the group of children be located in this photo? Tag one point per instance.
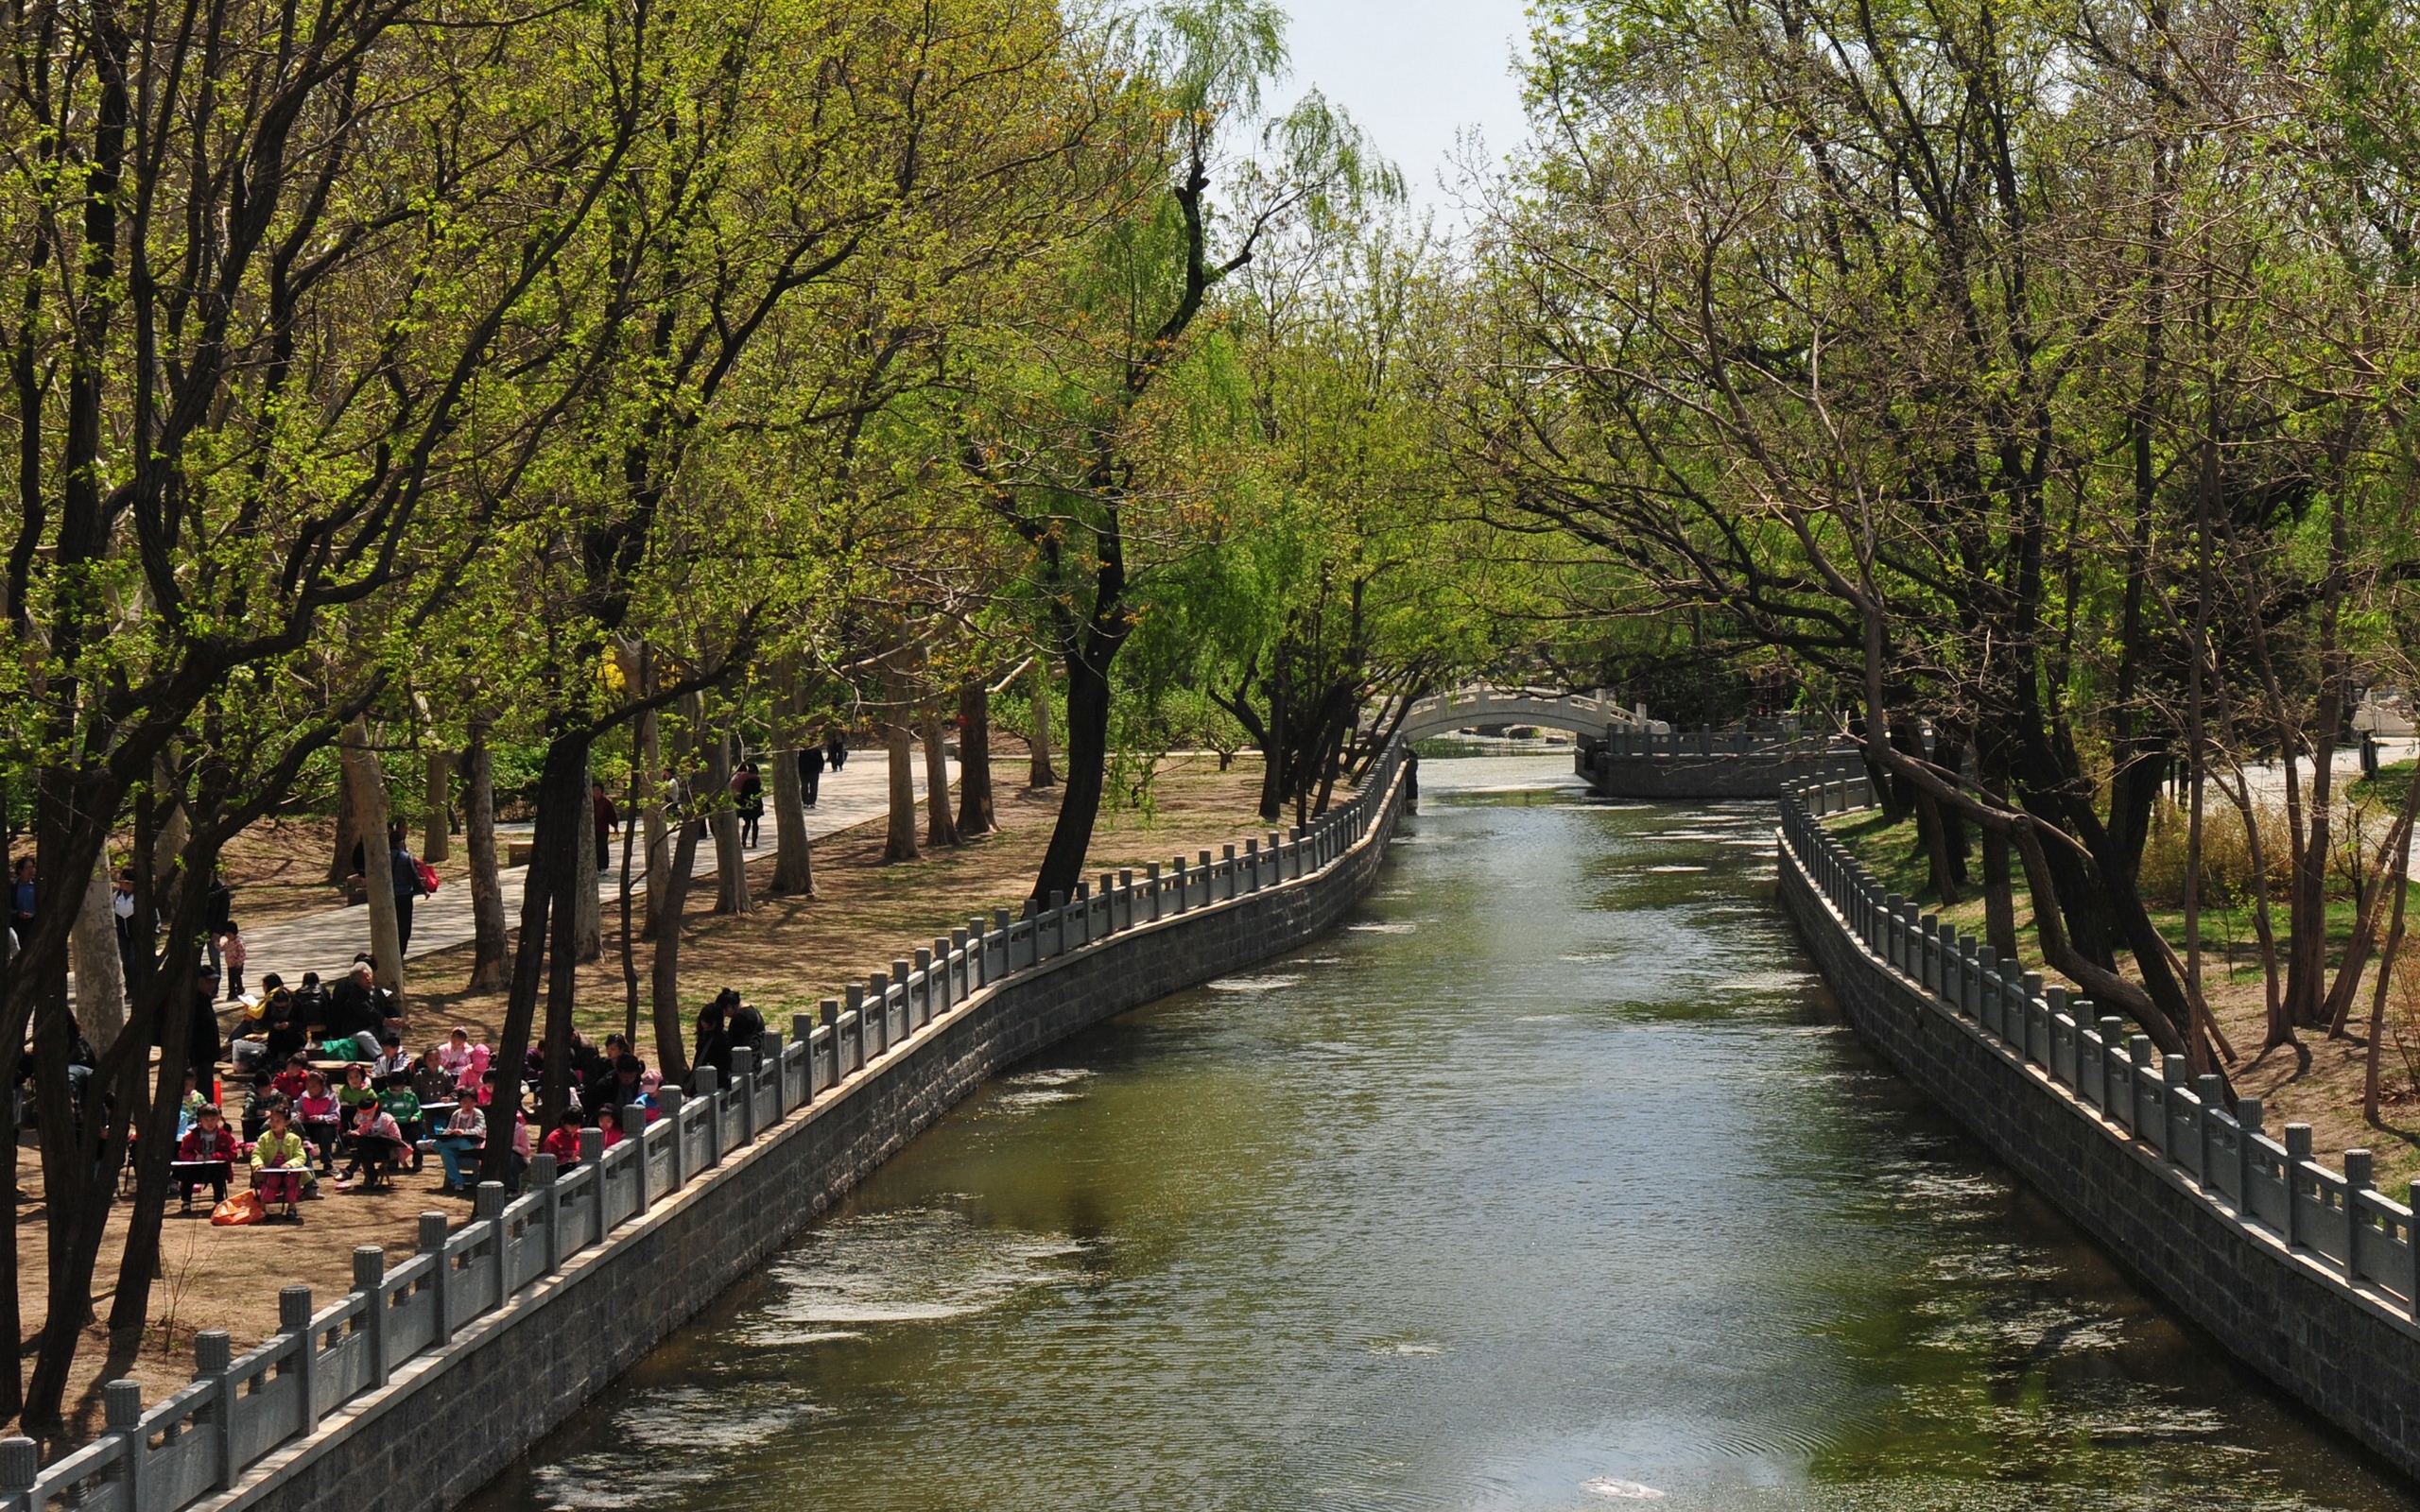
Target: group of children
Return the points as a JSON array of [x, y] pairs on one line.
[[385, 1110]]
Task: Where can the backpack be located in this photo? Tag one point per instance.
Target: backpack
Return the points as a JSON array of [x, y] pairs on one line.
[[428, 878]]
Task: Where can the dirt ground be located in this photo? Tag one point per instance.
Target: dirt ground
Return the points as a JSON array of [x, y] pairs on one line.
[[784, 957]]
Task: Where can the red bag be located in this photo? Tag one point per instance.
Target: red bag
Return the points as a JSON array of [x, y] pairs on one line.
[[428, 878]]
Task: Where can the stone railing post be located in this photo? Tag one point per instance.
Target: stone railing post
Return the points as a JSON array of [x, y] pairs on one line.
[[369, 1280], [668, 1098], [20, 1466], [431, 1242], [802, 1033], [213, 1353], [294, 1318], [2297, 1150], [2247, 1114], [551, 1209], [743, 1083], [122, 1406], [2356, 1181], [592, 1155]]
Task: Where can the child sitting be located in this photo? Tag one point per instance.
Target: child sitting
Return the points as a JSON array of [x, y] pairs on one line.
[[464, 1061], [398, 1102], [205, 1154], [609, 1124], [289, 1082], [356, 1091], [466, 1134], [320, 1117], [282, 1162], [430, 1081], [563, 1143], [375, 1140], [189, 1108]]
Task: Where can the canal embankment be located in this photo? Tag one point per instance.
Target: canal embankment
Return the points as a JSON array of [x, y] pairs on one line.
[[415, 1387], [1551, 1176], [2301, 1269]]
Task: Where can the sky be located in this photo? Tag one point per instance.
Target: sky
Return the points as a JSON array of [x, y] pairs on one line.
[[1413, 73]]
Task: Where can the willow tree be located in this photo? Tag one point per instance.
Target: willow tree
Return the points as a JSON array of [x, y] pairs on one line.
[[1053, 432]]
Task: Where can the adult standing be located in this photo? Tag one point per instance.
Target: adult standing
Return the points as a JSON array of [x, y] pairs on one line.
[[201, 1042], [218, 906], [836, 748], [714, 1034], [607, 818], [21, 904], [404, 868], [810, 773], [131, 937], [748, 802]]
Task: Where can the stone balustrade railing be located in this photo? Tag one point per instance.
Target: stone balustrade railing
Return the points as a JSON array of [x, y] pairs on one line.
[[2114, 1079], [240, 1409]]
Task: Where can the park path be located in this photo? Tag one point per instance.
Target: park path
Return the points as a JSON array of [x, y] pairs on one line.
[[326, 941]]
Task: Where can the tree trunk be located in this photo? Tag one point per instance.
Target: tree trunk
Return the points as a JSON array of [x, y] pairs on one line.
[[1071, 839], [563, 786], [377, 866], [348, 831], [974, 811], [731, 861], [650, 733], [2402, 885], [664, 977], [588, 909], [489, 973], [1038, 772], [436, 829], [100, 972], [1999, 901], [793, 857], [628, 941], [898, 744], [939, 829]]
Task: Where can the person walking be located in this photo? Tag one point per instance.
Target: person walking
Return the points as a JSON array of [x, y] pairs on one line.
[[21, 904], [748, 802], [836, 748], [403, 871], [810, 772], [607, 818], [218, 906]]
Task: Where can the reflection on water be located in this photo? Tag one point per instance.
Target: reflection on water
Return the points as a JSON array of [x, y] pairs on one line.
[[1548, 1182]]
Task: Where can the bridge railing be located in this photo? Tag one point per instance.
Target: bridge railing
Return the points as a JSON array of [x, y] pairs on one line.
[[1485, 702]]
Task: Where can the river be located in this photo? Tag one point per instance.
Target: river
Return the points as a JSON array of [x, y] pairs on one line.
[[1550, 1181]]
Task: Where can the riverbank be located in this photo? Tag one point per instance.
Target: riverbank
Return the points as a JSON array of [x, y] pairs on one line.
[[1550, 1178], [2322, 1084], [784, 957], [2287, 1255]]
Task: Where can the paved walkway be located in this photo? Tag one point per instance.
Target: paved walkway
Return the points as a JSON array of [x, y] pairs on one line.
[[326, 941]]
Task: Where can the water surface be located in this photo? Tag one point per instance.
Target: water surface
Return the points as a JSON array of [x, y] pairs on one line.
[[1551, 1180]]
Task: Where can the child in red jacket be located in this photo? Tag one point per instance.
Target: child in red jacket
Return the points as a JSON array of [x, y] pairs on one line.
[[209, 1143]]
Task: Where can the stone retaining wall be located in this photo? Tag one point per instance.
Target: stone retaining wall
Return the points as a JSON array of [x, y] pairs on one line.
[[2303, 1272], [1680, 778], [419, 1387]]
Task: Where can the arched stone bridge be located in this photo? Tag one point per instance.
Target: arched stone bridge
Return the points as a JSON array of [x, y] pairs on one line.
[[1581, 714]]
